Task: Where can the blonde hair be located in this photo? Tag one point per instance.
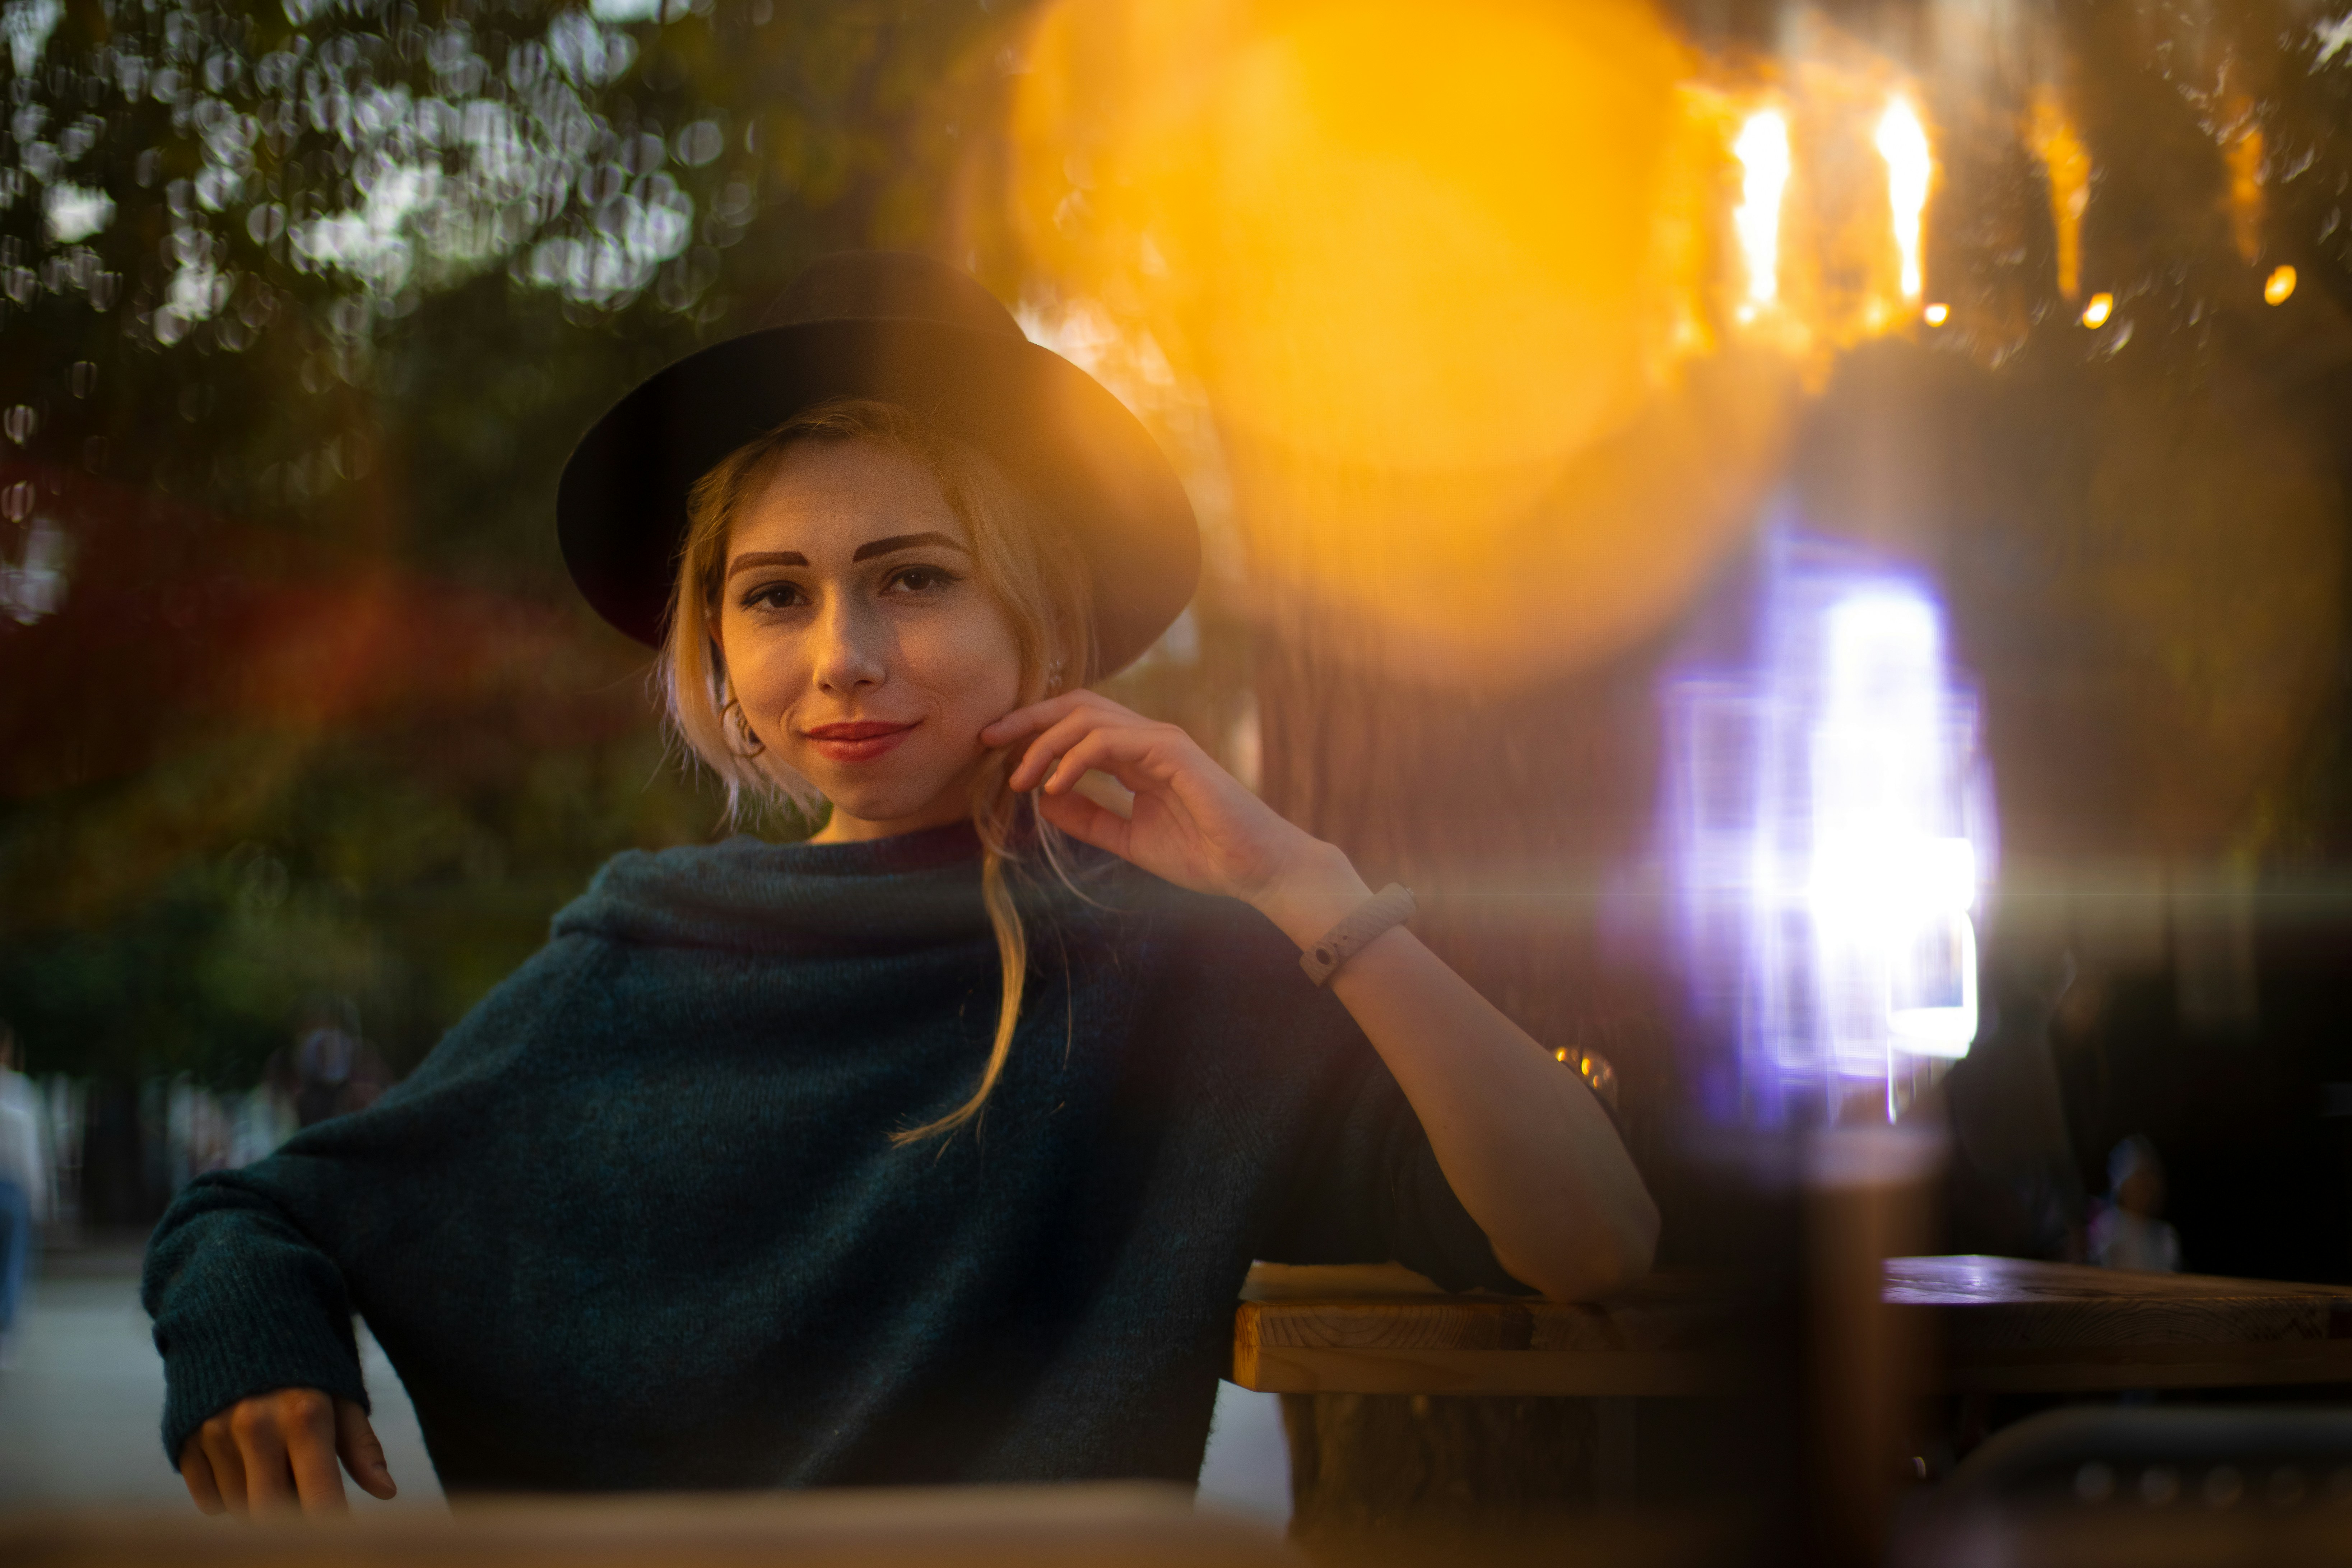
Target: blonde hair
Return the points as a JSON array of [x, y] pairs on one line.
[[1044, 591]]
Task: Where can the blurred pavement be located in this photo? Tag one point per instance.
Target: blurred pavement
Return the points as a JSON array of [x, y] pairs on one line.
[[79, 1406]]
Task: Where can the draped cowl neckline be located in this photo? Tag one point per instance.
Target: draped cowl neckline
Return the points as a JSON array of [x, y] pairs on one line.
[[911, 890]]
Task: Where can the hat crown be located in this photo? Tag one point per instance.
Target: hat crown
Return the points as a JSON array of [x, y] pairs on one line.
[[865, 285]]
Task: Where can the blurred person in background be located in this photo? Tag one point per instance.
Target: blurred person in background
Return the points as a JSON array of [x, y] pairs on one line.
[[932, 1149], [2128, 1231], [23, 1186], [330, 1070]]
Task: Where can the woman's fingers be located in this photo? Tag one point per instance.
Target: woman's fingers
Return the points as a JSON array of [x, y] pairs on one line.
[[363, 1455], [274, 1452], [1039, 716], [1038, 761], [1087, 821], [228, 1465], [261, 1449], [1060, 757], [308, 1424], [197, 1471], [1103, 749]]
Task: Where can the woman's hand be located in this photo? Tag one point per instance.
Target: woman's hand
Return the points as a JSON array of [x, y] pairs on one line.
[[1192, 823], [277, 1450]]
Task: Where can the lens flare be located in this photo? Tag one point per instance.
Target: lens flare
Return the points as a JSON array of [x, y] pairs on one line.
[[1903, 142], [1762, 150]]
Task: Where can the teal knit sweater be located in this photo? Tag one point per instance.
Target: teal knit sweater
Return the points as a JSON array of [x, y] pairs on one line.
[[637, 1222]]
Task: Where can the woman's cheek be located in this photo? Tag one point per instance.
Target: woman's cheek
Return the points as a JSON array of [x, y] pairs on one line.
[[766, 675], [976, 660]]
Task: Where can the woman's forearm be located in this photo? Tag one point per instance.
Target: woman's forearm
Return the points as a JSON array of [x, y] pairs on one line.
[[1526, 1147]]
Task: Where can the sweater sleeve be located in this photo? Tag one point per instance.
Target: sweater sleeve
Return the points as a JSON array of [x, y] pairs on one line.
[[243, 1301], [1354, 1178], [247, 1276], [1367, 1189]]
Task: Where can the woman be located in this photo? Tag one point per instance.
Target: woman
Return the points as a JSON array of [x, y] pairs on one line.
[[935, 1148]]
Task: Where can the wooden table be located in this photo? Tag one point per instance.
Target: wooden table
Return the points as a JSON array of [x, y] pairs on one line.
[[2003, 1325], [1085, 1525], [2010, 1326]]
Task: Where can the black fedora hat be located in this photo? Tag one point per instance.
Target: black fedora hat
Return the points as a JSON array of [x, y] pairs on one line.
[[906, 330]]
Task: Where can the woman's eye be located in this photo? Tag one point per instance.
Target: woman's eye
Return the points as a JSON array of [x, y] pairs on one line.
[[922, 579], [773, 596]]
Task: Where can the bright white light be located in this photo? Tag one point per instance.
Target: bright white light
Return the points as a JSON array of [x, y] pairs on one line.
[[1762, 149], [1891, 886], [1903, 142], [1831, 835], [625, 11]]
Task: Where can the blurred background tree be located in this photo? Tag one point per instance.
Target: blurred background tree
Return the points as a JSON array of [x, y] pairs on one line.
[[301, 306]]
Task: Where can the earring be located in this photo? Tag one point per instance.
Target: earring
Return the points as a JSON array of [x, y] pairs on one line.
[[739, 738], [1053, 676]]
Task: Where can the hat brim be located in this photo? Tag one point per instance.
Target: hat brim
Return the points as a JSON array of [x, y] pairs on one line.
[[1073, 448]]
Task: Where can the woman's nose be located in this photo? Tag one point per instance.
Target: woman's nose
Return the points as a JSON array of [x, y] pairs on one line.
[[849, 651]]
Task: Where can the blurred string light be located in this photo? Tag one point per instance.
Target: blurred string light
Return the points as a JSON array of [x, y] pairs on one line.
[[2066, 170], [1936, 314], [2098, 310], [1829, 826], [1903, 142], [2279, 287], [1762, 149], [2241, 150], [1847, 268]]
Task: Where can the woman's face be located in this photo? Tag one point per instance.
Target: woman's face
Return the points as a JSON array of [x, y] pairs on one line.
[[862, 644]]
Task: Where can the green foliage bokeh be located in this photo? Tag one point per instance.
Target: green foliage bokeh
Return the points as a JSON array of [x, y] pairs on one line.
[[317, 713]]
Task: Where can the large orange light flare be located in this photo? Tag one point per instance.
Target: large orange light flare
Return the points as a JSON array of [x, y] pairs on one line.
[[1499, 317], [1434, 248]]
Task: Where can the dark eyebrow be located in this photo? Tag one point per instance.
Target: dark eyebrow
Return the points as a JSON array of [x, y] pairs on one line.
[[745, 561], [904, 541]]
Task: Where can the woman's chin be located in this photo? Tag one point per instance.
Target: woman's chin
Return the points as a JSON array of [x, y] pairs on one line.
[[889, 807]]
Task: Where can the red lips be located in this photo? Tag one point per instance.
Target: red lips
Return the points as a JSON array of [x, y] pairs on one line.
[[859, 741]]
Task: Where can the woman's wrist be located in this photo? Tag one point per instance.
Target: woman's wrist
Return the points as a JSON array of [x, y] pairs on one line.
[[1316, 890]]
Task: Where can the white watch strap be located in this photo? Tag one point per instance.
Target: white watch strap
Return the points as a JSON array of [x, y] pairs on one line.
[[1391, 906]]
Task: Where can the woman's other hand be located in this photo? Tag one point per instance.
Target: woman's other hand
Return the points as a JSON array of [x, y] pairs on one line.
[[1192, 823], [277, 1451]]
